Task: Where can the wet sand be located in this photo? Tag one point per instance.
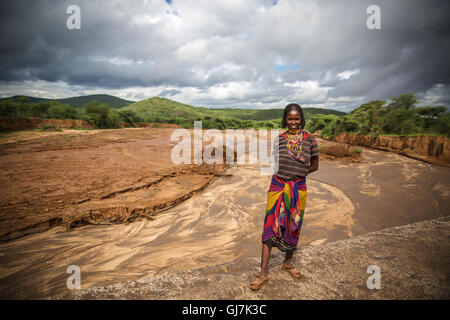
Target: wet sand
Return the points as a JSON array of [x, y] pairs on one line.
[[410, 267], [224, 222]]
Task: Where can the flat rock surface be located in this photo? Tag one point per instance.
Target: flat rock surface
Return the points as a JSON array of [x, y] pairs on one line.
[[414, 263]]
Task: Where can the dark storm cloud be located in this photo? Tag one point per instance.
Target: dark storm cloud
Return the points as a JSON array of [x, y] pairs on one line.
[[227, 53], [168, 93], [410, 54], [37, 45]]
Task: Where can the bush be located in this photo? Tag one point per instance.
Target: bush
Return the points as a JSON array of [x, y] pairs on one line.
[[443, 125], [408, 126], [430, 114], [49, 128], [39, 110], [113, 119], [8, 109], [315, 123], [98, 113], [364, 128], [61, 111], [349, 125], [129, 118]]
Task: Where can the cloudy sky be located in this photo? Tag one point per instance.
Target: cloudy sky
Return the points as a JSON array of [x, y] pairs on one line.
[[259, 54]]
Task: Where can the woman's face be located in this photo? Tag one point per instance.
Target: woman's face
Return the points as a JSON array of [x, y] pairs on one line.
[[293, 120]]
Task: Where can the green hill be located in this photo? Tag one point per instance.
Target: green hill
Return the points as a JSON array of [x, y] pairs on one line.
[[158, 109], [161, 108], [106, 111], [269, 114], [78, 102]]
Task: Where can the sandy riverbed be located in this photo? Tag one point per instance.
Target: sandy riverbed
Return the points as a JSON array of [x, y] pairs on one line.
[[218, 224]]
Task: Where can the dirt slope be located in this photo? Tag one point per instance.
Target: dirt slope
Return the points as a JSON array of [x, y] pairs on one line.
[[432, 149]]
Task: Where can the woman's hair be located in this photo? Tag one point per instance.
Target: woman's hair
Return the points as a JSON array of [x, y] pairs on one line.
[[289, 108]]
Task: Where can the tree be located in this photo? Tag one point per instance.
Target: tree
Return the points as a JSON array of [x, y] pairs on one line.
[[369, 112], [443, 124], [129, 117], [430, 114], [8, 109], [39, 110], [404, 101], [349, 125], [98, 112], [316, 122], [113, 119], [401, 121], [22, 107], [61, 111]]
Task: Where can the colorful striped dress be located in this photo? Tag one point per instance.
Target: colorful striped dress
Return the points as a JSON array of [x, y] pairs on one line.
[[287, 194]]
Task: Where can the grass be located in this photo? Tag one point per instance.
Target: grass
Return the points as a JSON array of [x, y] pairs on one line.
[[399, 135], [413, 134], [6, 135], [50, 128]]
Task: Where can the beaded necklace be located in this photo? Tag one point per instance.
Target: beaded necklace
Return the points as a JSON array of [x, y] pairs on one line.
[[294, 143]]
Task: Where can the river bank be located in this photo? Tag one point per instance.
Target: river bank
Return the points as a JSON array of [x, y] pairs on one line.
[[431, 149]]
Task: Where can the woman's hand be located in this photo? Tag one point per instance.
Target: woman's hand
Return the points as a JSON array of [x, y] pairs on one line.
[[314, 164]]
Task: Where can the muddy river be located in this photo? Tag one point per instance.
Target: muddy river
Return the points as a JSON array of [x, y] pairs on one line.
[[224, 222]]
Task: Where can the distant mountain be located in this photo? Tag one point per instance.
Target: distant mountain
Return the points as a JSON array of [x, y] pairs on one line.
[[78, 102], [268, 114], [157, 107], [163, 108]]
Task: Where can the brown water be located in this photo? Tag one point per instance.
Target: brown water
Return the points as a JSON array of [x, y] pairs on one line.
[[224, 222]]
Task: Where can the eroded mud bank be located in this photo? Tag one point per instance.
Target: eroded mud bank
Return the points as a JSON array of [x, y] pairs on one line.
[[431, 149]]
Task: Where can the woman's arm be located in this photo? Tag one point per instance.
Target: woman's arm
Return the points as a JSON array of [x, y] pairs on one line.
[[314, 164]]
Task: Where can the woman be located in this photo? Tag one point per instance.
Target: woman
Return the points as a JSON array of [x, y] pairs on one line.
[[298, 156]]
